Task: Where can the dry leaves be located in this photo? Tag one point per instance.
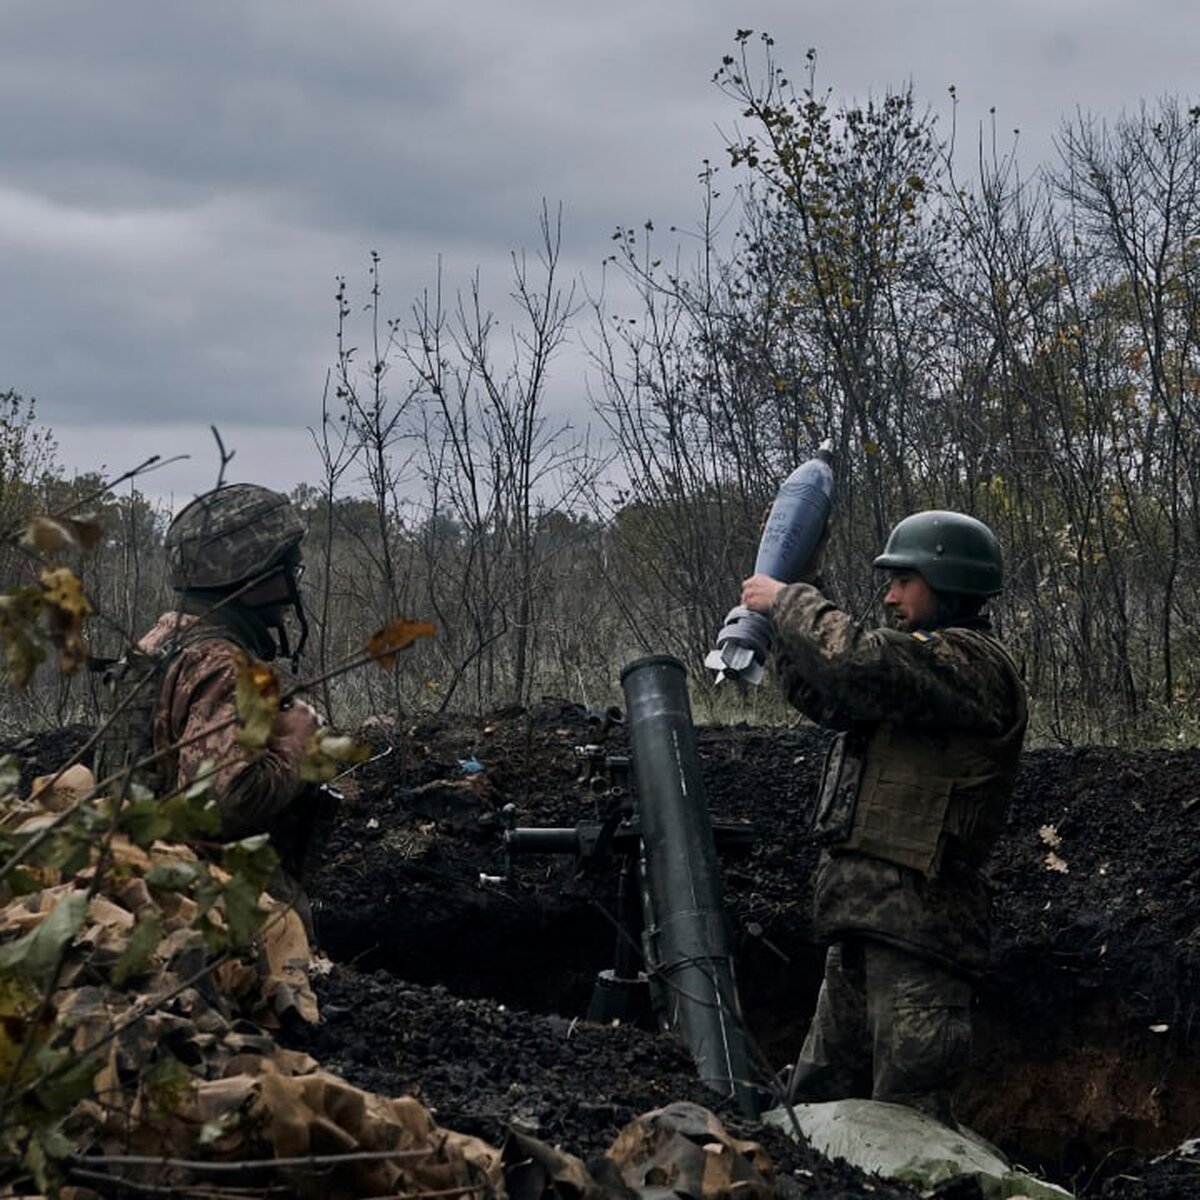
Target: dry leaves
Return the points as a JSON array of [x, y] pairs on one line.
[[385, 644], [1053, 861], [1049, 835], [50, 535]]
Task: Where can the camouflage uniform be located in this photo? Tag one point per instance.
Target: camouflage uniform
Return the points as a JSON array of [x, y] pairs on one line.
[[234, 559], [899, 892], [195, 722]]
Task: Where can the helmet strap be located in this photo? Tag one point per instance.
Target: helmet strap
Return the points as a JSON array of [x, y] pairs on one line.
[[246, 623], [301, 621]]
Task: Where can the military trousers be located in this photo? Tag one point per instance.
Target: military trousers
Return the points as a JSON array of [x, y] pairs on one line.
[[888, 1026]]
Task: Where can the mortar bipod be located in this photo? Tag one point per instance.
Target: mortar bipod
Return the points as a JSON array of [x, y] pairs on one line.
[[612, 841]]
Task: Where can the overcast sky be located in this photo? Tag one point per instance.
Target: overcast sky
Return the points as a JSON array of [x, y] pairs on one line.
[[181, 182]]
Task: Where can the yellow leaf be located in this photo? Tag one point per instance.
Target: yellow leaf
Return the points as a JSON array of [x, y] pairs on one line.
[[257, 698], [870, 446], [52, 534], [65, 607], [61, 588], [396, 635]]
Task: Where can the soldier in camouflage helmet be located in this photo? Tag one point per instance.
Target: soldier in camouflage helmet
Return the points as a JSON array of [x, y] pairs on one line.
[[234, 561], [931, 716]]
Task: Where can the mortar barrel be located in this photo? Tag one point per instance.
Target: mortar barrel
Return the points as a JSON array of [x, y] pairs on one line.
[[687, 936]]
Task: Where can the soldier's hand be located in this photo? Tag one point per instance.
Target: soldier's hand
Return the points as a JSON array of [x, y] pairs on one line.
[[760, 591], [294, 726]]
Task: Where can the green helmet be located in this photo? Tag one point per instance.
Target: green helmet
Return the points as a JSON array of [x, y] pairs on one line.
[[952, 552], [229, 535]]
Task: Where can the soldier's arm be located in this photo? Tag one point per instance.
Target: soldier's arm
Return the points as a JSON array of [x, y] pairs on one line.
[[251, 787], [878, 674], [817, 705]]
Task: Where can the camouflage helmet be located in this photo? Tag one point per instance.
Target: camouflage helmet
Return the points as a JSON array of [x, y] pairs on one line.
[[952, 552], [231, 534]]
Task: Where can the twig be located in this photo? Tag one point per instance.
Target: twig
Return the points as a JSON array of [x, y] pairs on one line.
[[153, 463], [200, 1193], [466, 1190], [253, 1164], [225, 456]]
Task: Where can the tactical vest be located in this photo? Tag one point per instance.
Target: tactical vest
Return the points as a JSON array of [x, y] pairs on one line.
[[130, 692], [904, 794]]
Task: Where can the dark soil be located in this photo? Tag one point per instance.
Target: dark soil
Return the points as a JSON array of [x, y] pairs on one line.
[[1087, 1038], [461, 975]]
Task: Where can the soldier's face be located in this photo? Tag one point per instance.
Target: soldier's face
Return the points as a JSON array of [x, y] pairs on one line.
[[269, 595], [910, 600]]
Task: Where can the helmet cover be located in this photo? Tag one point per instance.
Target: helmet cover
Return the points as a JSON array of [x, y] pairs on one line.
[[231, 535]]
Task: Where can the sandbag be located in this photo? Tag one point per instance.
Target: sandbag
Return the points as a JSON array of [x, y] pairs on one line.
[[908, 1146]]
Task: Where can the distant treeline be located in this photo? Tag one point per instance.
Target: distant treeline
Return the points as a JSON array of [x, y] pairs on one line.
[[1026, 349]]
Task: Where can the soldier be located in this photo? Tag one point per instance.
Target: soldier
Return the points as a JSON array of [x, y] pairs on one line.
[[234, 560], [931, 717]]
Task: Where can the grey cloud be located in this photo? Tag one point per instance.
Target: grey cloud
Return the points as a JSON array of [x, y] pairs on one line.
[[180, 183]]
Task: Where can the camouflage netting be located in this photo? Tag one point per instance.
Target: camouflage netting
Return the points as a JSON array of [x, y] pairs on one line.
[[181, 1084]]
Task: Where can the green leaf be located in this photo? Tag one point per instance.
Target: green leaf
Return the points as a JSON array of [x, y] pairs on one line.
[[44, 1157], [166, 1084], [39, 1165], [76, 852], [257, 699], [19, 1001], [10, 774], [190, 813], [174, 876], [65, 1078], [242, 913], [23, 882], [20, 609], [144, 822], [327, 753], [143, 941], [253, 859], [39, 950]]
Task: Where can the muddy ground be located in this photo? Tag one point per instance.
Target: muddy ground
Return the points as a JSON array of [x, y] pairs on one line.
[[1086, 1057], [462, 974]]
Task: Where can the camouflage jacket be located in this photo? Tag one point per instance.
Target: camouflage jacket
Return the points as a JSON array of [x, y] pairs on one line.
[[848, 678], [195, 721]]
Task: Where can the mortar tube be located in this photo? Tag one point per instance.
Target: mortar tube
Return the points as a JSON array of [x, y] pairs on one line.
[[687, 938]]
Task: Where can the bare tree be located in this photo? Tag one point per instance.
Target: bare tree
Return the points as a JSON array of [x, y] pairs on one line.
[[493, 459]]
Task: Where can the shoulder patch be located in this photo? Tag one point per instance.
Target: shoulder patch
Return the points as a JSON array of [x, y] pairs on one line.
[[923, 635]]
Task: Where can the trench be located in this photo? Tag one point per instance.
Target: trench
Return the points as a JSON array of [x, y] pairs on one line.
[[1085, 1050], [1066, 1079]]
